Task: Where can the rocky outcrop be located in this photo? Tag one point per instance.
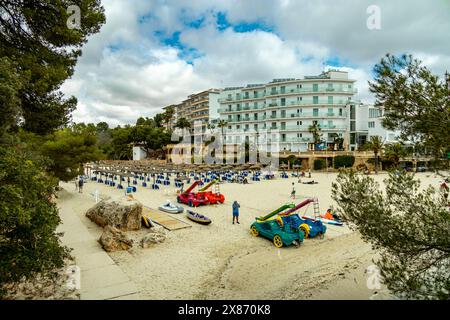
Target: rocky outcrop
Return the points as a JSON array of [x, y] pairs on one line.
[[124, 214], [112, 239], [157, 234]]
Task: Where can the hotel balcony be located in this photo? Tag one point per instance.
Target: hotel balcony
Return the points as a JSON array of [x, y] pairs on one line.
[[346, 91]]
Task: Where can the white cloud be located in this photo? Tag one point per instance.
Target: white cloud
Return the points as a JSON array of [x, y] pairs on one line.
[[126, 72]]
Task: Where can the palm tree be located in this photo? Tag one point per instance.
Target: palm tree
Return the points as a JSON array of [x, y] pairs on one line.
[[183, 123], [376, 145], [316, 132], [395, 152], [168, 115], [222, 124], [338, 140], [210, 126]]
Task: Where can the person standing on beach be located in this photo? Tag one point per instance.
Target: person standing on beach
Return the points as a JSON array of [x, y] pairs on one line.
[[236, 207], [80, 185], [76, 184], [293, 191], [309, 173]]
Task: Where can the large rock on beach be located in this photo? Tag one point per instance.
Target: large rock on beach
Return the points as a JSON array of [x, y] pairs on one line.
[[157, 234], [124, 214], [112, 239]]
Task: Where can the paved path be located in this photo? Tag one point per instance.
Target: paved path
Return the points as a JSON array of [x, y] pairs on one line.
[[101, 277]]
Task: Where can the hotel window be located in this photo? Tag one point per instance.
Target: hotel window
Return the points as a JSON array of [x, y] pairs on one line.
[[315, 100], [299, 123], [229, 127], [255, 116], [315, 87], [299, 135], [255, 105], [330, 100], [255, 94], [229, 97], [371, 124], [340, 111], [229, 117], [238, 127], [256, 127], [283, 101], [315, 112], [330, 123], [283, 89]]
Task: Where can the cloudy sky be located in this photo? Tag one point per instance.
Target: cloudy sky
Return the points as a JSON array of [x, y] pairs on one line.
[[152, 53]]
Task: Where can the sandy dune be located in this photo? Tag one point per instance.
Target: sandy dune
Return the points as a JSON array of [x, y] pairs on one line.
[[223, 261]]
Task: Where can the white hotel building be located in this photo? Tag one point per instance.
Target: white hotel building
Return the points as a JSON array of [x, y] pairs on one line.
[[281, 112]]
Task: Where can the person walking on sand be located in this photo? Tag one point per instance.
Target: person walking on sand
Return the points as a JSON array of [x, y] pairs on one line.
[[80, 185], [293, 191], [236, 207]]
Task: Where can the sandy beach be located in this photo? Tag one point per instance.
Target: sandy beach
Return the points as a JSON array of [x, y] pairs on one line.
[[223, 261]]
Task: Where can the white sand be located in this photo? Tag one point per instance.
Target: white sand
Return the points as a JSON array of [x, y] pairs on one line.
[[223, 261]]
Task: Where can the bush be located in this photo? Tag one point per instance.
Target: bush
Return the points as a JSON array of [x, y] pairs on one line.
[[344, 161], [29, 243], [319, 164]]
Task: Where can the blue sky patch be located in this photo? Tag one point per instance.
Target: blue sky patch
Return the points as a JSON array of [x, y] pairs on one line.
[[186, 53], [222, 21], [337, 62]]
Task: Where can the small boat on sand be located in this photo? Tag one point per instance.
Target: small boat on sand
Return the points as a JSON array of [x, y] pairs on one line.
[[199, 218], [328, 221], [171, 208]]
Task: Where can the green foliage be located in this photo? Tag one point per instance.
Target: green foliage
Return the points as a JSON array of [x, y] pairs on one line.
[[69, 149], [319, 164], [28, 218], [316, 132], [34, 34], [376, 145], [344, 162], [222, 124], [120, 145], [408, 225], [183, 123], [394, 152], [10, 85], [415, 101], [168, 115]]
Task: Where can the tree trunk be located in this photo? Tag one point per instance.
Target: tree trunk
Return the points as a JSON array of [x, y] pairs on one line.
[[376, 163]]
